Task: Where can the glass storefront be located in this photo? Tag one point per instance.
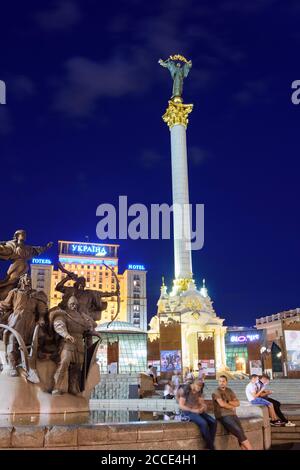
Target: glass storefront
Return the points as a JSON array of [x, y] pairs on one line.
[[242, 347], [237, 358], [123, 349]]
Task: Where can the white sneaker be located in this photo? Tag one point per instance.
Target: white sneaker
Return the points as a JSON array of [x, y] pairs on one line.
[[290, 424]]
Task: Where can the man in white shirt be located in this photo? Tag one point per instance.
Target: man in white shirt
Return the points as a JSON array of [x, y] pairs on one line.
[[253, 396], [265, 392]]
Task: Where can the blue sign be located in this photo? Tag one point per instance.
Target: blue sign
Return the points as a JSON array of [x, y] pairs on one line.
[[83, 249], [41, 261], [137, 267]]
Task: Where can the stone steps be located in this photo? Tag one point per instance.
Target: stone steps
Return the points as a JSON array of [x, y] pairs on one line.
[[287, 435], [287, 391]]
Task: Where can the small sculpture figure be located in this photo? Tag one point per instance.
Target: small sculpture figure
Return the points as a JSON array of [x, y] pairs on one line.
[[26, 307], [179, 69], [15, 250], [90, 301], [72, 326]]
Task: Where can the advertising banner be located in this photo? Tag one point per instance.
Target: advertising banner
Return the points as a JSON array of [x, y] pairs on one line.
[[256, 367], [170, 361], [209, 367]]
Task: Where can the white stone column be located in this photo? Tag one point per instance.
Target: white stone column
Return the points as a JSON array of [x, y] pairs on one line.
[[218, 348], [223, 346], [181, 217], [176, 117]]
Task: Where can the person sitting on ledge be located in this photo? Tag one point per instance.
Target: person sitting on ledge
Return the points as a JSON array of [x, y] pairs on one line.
[[253, 396], [194, 409], [265, 392], [169, 391], [225, 403], [152, 373]]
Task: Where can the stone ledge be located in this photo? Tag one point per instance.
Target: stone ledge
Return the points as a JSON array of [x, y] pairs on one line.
[[123, 433], [61, 436], [144, 436], [5, 437], [27, 437]]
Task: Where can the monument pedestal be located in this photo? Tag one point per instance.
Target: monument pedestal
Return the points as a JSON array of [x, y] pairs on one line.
[[20, 396], [17, 396]]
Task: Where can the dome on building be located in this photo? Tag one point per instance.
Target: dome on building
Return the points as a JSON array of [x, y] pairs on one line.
[[119, 326]]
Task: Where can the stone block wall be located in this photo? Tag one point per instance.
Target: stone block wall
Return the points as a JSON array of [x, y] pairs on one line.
[[137, 436]]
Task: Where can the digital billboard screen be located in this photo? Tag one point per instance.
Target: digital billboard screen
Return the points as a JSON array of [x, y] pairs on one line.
[[292, 342]]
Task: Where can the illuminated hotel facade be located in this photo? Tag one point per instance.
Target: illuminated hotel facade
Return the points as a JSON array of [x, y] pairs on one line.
[[89, 260]]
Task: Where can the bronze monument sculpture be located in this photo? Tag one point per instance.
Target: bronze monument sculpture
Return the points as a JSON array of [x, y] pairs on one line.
[[16, 251], [72, 326], [179, 68], [28, 307], [49, 356], [90, 301]]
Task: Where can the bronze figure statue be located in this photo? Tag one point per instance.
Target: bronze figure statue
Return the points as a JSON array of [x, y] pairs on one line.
[[179, 68], [51, 350], [23, 308], [90, 301], [72, 326], [16, 251]]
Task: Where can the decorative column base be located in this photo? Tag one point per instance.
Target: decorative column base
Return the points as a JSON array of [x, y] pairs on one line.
[[177, 113], [181, 285]]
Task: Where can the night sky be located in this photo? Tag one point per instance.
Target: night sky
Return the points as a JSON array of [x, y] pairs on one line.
[[82, 125]]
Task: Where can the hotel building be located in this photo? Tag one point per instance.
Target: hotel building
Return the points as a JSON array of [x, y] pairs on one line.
[[95, 262]]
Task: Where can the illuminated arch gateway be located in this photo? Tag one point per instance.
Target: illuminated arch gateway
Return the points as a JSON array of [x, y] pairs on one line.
[[186, 324]]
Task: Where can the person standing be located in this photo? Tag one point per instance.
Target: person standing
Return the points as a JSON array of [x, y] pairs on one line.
[[189, 376], [176, 381], [225, 403], [194, 409], [201, 372], [253, 396], [264, 391]]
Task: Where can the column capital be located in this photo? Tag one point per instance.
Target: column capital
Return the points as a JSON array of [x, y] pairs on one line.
[[177, 113]]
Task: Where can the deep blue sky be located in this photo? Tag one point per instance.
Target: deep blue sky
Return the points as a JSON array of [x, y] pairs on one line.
[[83, 125]]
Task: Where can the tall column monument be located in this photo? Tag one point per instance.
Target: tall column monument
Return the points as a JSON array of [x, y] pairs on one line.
[[176, 117], [186, 323]]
